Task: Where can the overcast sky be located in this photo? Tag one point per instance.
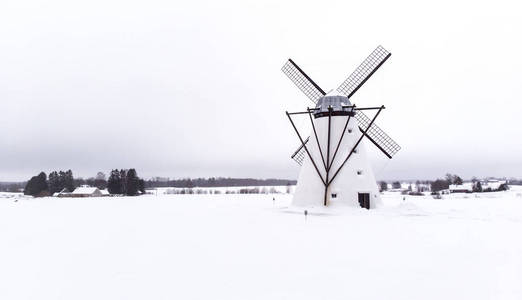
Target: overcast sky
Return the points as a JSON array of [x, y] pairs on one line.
[[194, 88]]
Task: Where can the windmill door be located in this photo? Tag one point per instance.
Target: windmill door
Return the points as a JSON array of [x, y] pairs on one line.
[[364, 200]]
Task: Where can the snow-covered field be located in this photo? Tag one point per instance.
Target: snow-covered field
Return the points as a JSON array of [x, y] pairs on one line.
[[232, 246]]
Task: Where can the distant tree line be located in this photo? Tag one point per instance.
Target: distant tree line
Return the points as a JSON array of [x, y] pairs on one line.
[[443, 184], [12, 187], [254, 190], [126, 182], [216, 182]]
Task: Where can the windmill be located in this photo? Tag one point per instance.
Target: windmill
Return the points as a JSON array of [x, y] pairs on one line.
[[334, 166]]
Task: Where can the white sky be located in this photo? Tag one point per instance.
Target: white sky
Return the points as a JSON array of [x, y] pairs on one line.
[[194, 88]]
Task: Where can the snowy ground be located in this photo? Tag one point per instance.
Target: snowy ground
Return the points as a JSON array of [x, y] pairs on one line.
[[250, 247]]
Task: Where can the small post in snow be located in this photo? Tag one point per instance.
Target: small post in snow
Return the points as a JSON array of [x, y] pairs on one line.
[[305, 214]]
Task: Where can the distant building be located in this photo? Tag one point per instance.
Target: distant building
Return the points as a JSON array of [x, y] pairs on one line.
[[406, 186], [492, 184], [86, 191], [466, 187], [63, 193]]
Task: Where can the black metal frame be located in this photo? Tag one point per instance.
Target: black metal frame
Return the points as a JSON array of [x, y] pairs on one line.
[[364, 71], [306, 76], [328, 163], [377, 136], [302, 81], [299, 155], [316, 138]]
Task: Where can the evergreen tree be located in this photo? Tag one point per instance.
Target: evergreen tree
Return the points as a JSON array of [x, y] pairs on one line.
[[61, 180], [69, 180], [54, 182], [114, 182], [141, 185], [30, 187], [42, 183], [123, 181], [383, 186], [37, 186], [132, 183]]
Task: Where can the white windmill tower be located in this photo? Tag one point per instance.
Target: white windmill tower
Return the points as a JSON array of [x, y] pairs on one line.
[[335, 169]]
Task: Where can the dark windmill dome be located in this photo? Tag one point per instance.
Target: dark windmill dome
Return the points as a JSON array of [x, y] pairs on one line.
[[340, 106]]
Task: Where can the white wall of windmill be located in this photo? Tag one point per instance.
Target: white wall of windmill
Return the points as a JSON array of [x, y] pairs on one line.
[[355, 177]]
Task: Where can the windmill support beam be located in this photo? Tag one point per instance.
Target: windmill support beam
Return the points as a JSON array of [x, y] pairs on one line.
[[356, 144], [372, 108], [306, 149], [298, 113], [342, 135], [327, 167], [317, 140], [364, 108]]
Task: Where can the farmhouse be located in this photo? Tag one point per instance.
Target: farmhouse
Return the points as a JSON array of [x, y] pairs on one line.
[[492, 184], [86, 191]]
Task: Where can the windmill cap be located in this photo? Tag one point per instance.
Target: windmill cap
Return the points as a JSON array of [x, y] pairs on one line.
[[336, 103]]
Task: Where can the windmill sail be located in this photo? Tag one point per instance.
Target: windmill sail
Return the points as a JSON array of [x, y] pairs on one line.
[[299, 154], [364, 71], [302, 81], [377, 136]]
